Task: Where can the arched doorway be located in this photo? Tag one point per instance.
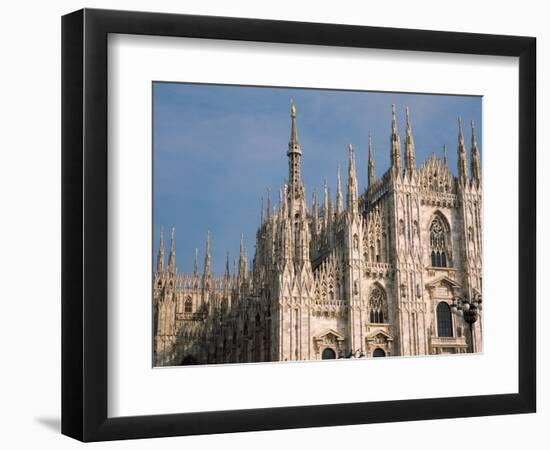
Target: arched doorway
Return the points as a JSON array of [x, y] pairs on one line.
[[328, 353], [378, 353]]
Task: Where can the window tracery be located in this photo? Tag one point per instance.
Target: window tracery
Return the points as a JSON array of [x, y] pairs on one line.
[[378, 306], [439, 243]]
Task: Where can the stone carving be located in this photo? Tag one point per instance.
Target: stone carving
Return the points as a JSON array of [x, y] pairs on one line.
[[355, 276]]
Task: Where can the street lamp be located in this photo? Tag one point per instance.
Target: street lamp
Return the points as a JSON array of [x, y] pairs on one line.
[[469, 310]]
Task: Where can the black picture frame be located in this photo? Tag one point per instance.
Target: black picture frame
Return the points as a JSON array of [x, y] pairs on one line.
[[84, 224]]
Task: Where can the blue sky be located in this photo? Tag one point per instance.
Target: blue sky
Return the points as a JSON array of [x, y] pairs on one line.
[[217, 148]]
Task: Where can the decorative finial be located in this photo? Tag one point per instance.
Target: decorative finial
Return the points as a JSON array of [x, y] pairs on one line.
[[292, 108], [444, 153]]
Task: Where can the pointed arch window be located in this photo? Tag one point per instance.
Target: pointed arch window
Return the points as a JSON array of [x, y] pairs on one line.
[[439, 243], [378, 305], [444, 320]]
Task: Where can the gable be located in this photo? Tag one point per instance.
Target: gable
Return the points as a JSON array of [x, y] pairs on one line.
[[441, 282], [328, 334]]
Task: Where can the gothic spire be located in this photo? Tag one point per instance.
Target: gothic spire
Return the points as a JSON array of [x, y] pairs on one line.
[[242, 259], [339, 201], [172, 255], [160, 256], [475, 169], [395, 141], [444, 154], [393, 120], [294, 128], [314, 211], [371, 164], [409, 146], [329, 205], [262, 218], [326, 203], [227, 276], [462, 158], [352, 191], [207, 270], [294, 158], [268, 204]]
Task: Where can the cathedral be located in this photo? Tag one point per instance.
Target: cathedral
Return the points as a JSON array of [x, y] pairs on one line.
[[376, 273]]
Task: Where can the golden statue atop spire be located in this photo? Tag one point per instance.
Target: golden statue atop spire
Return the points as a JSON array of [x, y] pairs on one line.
[[292, 108]]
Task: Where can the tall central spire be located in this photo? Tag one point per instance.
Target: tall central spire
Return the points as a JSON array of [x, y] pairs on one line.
[[294, 160], [294, 128]]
